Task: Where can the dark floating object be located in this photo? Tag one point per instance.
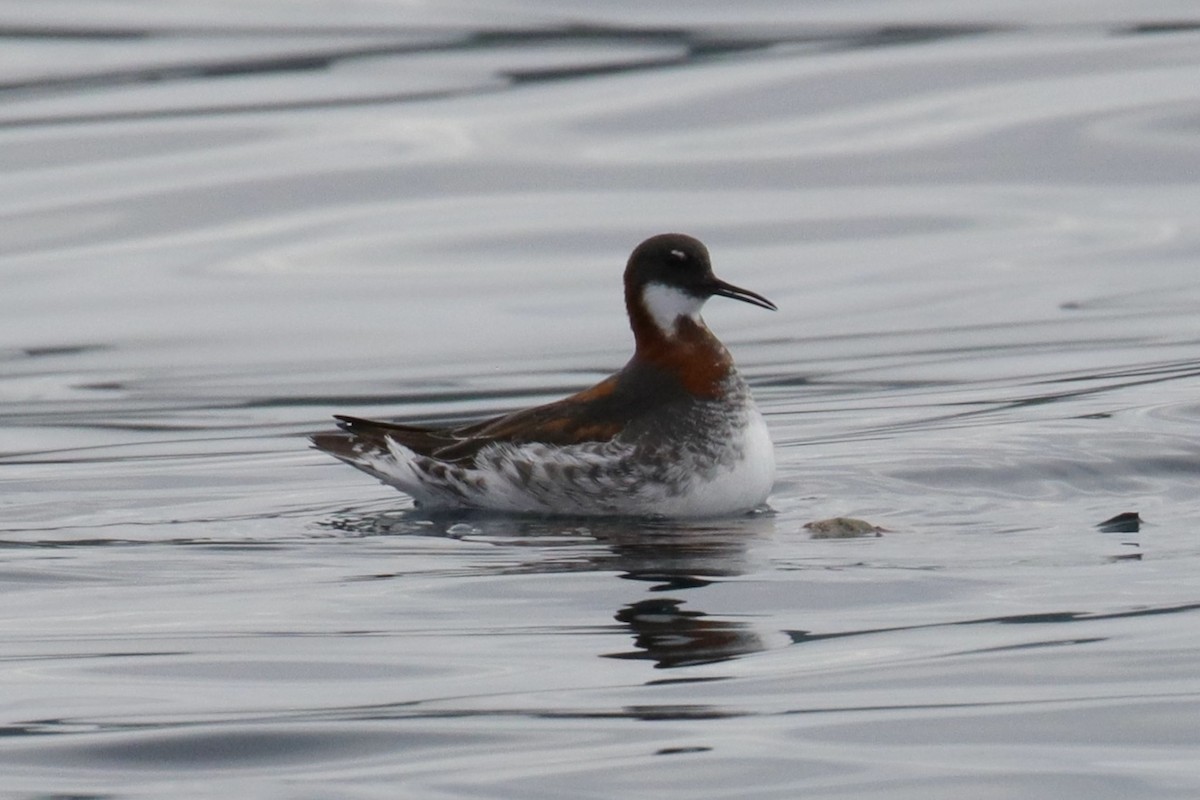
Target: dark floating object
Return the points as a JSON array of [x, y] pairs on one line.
[[1129, 522], [843, 528]]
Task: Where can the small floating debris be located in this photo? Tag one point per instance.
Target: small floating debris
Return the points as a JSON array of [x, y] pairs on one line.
[[843, 528], [1128, 522]]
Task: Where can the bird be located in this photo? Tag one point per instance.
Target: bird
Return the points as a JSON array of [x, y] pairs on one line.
[[674, 433]]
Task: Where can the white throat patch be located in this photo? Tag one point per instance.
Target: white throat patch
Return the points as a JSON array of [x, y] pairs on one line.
[[666, 305]]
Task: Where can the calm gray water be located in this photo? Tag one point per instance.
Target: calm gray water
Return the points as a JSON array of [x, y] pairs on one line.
[[222, 222]]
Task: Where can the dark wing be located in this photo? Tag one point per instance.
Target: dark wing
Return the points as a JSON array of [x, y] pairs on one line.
[[583, 417], [597, 414], [586, 416]]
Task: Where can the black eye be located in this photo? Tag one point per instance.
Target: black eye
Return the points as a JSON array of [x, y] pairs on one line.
[[677, 257]]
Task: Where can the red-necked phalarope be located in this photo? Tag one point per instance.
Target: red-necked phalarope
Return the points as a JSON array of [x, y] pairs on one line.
[[675, 433]]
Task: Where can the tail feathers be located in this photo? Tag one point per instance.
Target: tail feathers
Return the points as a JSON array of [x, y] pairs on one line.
[[389, 453], [366, 435]]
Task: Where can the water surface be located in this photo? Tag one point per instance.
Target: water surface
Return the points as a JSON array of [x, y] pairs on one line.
[[223, 223]]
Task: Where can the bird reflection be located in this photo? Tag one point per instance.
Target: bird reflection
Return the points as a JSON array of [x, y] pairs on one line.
[[677, 560], [666, 633], [670, 556]]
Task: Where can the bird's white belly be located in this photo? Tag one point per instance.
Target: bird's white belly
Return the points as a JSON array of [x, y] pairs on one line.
[[741, 486]]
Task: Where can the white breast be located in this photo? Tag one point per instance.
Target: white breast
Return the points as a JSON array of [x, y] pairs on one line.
[[743, 486]]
